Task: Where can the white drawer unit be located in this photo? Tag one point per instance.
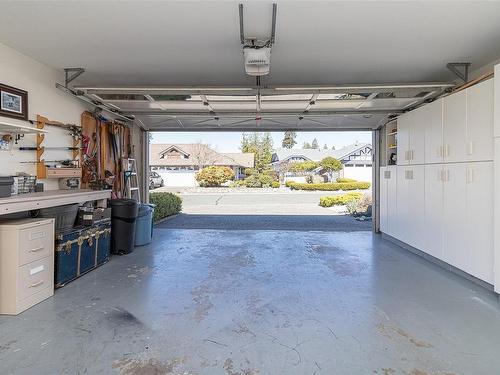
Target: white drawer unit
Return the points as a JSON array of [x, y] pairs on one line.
[[26, 263]]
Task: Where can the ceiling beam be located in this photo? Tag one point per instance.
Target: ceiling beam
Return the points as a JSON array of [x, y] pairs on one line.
[[241, 114], [265, 90]]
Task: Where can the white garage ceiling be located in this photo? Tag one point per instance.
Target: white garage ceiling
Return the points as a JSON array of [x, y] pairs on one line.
[[153, 43]]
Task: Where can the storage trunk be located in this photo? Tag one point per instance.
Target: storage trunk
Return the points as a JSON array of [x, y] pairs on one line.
[[80, 250]]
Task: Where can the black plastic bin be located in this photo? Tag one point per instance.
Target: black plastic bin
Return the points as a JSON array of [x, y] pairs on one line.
[[123, 218]]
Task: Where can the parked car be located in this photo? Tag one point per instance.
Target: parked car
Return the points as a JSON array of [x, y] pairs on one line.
[[155, 180]]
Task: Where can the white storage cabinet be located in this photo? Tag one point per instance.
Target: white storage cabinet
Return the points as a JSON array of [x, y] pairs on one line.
[[26, 263]]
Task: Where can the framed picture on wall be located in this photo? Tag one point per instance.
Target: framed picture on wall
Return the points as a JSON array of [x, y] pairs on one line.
[[13, 102]]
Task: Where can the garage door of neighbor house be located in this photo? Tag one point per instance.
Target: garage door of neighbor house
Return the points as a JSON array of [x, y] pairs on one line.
[[178, 178]]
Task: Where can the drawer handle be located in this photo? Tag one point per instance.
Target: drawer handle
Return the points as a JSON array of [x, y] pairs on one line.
[[36, 284], [36, 249], [34, 236]]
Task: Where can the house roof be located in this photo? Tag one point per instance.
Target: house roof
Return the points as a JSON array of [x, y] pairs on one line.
[[198, 154], [318, 154]]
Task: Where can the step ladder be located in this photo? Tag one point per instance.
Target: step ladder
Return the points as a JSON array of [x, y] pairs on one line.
[[131, 181]]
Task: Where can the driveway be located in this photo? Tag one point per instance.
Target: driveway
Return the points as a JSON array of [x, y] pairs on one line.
[[262, 211]]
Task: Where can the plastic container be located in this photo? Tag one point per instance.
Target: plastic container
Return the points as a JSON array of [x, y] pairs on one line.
[[6, 186], [64, 216], [144, 225], [123, 220]]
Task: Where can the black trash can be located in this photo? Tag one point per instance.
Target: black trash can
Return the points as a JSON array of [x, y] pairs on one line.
[[123, 217]]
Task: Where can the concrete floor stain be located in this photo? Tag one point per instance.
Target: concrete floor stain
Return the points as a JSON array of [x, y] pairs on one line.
[[151, 366], [230, 370], [123, 317], [387, 330], [340, 261]]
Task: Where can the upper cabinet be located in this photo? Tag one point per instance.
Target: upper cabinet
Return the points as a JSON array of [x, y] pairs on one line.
[[417, 136], [432, 118], [479, 138], [455, 126], [404, 125], [411, 138]]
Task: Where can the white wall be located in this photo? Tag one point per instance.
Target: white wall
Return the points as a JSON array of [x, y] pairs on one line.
[[39, 80], [496, 163]]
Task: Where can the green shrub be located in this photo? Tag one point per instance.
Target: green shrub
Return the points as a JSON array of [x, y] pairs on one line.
[[167, 204], [340, 200], [275, 184], [303, 166], [331, 186], [237, 183], [253, 181], [270, 172], [259, 180], [266, 180], [343, 179], [214, 176], [250, 171], [289, 183]]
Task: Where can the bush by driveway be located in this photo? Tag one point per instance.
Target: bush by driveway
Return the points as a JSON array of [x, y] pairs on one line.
[[167, 204]]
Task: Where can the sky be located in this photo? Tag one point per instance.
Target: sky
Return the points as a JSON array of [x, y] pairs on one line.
[[230, 141]]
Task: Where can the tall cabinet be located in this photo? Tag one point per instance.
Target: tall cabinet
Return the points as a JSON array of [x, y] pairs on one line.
[[442, 201]]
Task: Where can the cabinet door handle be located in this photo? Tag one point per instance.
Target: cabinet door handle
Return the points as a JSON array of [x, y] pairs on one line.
[[36, 284], [36, 249], [471, 148], [447, 150], [440, 151], [470, 176]]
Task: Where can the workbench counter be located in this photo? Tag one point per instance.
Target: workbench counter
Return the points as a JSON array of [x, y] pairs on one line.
[[49, 198]]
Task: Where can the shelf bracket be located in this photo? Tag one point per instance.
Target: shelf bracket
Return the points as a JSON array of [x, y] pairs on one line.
[[71, 74], [456, 69]]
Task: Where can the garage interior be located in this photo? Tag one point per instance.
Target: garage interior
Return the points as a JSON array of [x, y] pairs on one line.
[[416, 295]]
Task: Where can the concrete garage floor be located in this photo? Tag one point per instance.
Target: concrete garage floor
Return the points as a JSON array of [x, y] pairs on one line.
[[233, 302]]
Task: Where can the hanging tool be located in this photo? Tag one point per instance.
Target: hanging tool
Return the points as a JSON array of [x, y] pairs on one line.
[[65, 162], [25, 148]]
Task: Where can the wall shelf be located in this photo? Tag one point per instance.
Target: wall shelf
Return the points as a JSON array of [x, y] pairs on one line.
[[19, 129]]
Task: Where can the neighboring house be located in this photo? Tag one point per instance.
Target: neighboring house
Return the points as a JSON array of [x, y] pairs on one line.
[[178, 163], [356, 158]]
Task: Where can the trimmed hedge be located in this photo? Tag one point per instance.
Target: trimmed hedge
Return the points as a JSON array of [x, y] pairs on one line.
[[275, 184], [340, 200], [167, 204], [330, 186], [343, 179]]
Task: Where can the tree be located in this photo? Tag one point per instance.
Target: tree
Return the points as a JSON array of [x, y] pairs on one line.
[[325, 147], [289, 139], [306, 145], [303, 166], [261, 145], [331, 165], [315, 144], [333, 147], [202, 155], [214, 176]]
